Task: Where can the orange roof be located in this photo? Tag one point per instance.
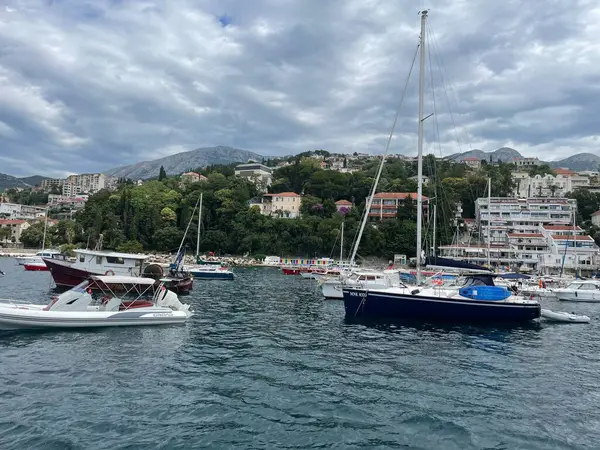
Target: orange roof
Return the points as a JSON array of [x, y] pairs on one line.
[[560, 237], [191, 173], [282, 194], [399, 195], [561, 228], [597, 213], [11, 221], [343, 202], [531, 235], [471, 158], [560, 171]]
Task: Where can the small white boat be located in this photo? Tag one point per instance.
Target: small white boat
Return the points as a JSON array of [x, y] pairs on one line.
[[580, 291], [564, 317], [93, 303], [22, 260]]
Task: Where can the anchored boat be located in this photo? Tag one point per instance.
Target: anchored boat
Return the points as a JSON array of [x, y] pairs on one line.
[[93, 303]]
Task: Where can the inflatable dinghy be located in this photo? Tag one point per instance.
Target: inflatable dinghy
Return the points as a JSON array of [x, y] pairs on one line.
[[565, 317]]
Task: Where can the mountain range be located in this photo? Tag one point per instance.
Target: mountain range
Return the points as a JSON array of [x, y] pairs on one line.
[[8, 181], [201, 157], [182, 162], [578, 162]]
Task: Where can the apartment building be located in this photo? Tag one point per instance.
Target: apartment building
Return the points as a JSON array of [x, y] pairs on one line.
[[259, 174], [534, 233], [385, 204], [48, 184], [87, 183], [15, 211]]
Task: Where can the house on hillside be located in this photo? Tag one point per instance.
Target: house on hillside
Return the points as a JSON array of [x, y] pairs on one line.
[[343, 205], [385, 204], [472, 162], [283, 205], [192, 177], [16, 227], [259, 174]]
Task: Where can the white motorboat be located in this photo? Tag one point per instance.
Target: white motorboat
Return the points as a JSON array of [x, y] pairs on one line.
[[93, 303], [580, 291], [564, 317], [22, 260]]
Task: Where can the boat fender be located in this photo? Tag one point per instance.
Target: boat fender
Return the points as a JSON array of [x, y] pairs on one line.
[[415, 291], [109, 272]]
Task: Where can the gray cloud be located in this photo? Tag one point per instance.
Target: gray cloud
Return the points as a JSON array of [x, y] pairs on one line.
[[91, 84]]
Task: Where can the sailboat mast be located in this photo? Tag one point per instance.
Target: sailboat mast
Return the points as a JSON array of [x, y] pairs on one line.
[[45, 228], [199, 226], [342, 244], [434, 227], [489, 236], [420, 146]]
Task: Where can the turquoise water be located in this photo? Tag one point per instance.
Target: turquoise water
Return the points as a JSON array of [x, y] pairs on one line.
[[266, 363]]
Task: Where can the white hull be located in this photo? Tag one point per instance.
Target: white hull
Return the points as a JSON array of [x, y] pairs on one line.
[[28, 260], [564, 317], [332, 289], [16, 317], [571, 297]]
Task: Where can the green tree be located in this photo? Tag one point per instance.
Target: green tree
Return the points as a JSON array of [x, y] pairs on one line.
[[162, 174], [5, 234]]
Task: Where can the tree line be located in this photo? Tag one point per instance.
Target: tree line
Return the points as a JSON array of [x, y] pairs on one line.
[[153, 216]]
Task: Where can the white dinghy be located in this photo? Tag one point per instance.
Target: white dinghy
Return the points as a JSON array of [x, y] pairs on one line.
[[564, 317], [93, 303]]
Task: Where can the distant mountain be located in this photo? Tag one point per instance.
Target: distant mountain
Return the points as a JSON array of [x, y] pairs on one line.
[[504, 154], [8, 181], [182, 162], [580, 161]]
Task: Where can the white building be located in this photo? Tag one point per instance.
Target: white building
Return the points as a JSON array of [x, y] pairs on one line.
[[88, 183], [16, 211], [259, 174], [527, 162], [548, 185], [48, 184], [531, 233], [77, 201]]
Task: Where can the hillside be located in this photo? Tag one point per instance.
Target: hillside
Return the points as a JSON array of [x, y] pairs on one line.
[[8, 181], [504, 154], [580, 161], [181, 162]]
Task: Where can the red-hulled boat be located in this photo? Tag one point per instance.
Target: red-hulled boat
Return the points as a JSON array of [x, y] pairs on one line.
[[36, 266], [97, 262]]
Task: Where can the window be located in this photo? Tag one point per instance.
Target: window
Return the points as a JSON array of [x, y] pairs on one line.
[[99, 260], [115, 260], [81, 258]]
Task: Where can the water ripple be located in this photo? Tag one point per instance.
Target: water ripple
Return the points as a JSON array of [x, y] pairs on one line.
[[265, 363]]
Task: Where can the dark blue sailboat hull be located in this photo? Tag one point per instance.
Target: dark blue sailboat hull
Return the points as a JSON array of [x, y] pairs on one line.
[[369, 304]]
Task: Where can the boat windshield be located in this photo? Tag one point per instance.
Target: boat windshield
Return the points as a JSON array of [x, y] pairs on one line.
[[482, 280], [81, 286], [574, 286]]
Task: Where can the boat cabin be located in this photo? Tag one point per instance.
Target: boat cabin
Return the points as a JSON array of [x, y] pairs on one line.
[[584, 285], [109, 263]]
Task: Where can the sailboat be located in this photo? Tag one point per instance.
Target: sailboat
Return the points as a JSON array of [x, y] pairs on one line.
[[36, 263], [479, 300], [204, 270]]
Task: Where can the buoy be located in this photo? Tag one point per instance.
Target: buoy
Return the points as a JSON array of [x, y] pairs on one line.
[[109, 272]]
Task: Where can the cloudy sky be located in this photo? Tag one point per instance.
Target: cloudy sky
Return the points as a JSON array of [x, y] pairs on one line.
[[87, 85]]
